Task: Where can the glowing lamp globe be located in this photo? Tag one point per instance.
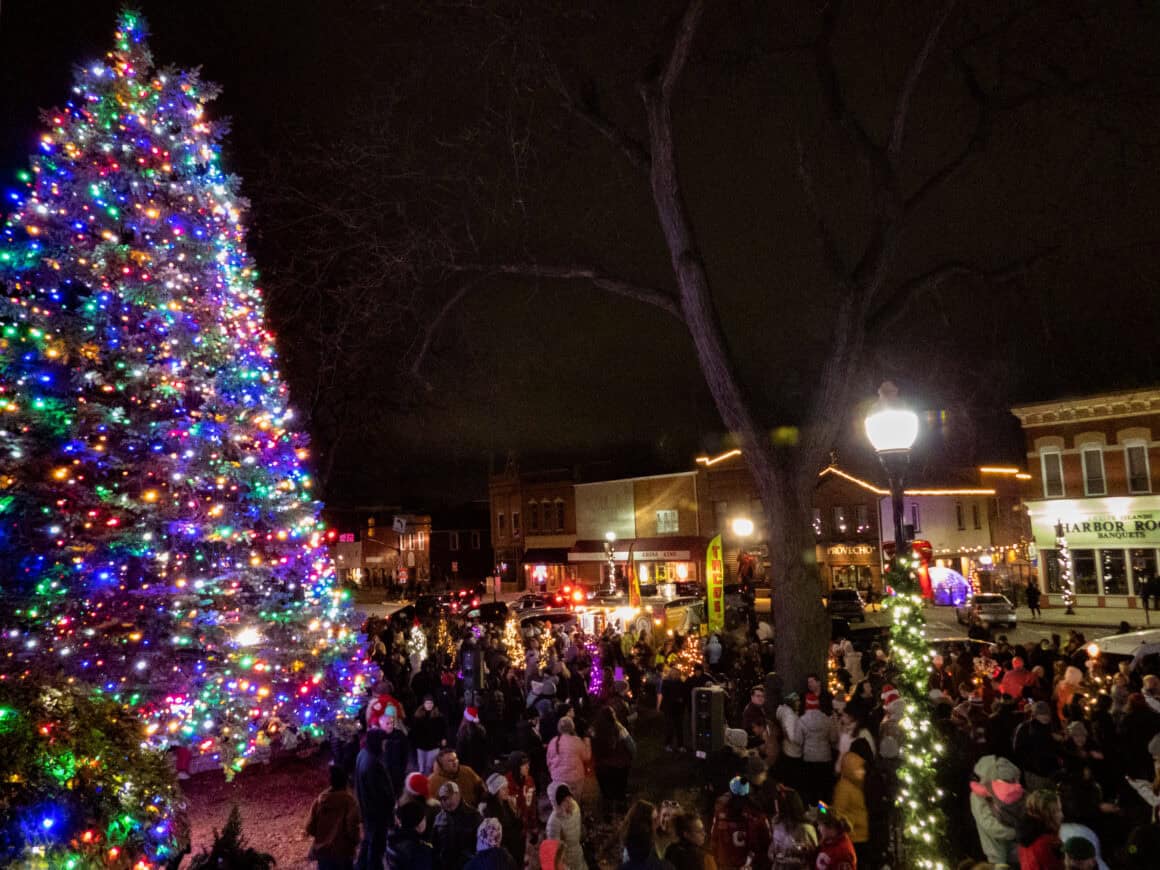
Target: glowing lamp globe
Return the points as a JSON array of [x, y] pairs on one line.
[[743, 527], [890, 427]]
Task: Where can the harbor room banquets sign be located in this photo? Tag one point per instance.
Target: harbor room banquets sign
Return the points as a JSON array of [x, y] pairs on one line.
[[1094, 523]]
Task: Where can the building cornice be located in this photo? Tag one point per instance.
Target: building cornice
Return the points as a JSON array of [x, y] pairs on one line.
[[1104, 406]]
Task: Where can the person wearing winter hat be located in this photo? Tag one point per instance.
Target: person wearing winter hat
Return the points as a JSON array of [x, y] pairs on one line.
[[819, 735], [471, 744], [489, 851], [500, 804], [996, 804], [565, 824], [455, 828], [1079, 854], [739, 832]]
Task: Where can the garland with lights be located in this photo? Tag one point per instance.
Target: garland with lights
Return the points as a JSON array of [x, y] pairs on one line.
[[79, 789], [1066, 578], [158, 536], [919, 797]]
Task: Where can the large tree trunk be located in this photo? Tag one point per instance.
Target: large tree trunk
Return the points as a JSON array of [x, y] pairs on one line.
[[801, 629]]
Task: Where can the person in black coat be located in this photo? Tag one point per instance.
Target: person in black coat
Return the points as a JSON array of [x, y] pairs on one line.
[[406, 846], [396, 748], [471, 743], [455, 828], [376, 799]]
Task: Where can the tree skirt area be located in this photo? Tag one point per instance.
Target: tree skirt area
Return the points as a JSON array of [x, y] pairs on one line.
[[274, 801]]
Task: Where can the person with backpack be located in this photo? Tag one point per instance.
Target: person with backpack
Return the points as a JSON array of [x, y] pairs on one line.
[[740, 834]]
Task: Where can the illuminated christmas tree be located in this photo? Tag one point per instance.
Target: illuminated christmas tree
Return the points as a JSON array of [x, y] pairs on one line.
[[158, 536]]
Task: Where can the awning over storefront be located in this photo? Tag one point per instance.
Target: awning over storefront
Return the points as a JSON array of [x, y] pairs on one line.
[[680, 548], [546, 556]]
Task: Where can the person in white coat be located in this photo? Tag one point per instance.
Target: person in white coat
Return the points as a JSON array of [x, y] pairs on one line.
[[565, 824], [819, 736], [790, 763]]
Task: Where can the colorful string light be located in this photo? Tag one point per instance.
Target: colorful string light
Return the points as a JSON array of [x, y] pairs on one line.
[[158, 534]]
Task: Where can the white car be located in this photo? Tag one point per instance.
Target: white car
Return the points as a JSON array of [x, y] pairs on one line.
[[988, 609]]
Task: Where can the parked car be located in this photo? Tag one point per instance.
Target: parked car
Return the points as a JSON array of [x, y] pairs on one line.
[[432, 605], [490, 612], [846, 603], [555, 616], [1135, 646], [987, 609], [531, 601]]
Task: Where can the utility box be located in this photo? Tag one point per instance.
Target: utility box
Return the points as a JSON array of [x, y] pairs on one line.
[[708, 720]]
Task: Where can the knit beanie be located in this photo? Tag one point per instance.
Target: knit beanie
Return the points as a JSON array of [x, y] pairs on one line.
[[495, 782], [488, 835], [739, 786], [736, 738], [416, 784]]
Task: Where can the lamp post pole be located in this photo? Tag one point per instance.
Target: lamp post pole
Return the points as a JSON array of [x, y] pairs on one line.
[[892, 429]]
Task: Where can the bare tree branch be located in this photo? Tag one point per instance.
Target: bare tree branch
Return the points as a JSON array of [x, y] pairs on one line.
[[827, 71], [891, 309], [588, 112], [679, 55], [661, 299], [831, 251], [906, 94]]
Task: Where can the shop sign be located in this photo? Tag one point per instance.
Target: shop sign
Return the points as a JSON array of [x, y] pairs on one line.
[[661, 555], [851, 550], [715, 584], [1098, 528]]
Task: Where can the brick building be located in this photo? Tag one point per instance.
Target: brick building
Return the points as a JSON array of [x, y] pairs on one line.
[[1089, 477]]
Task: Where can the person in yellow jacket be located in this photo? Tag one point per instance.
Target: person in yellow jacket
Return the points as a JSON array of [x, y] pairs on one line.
[[850, 793]]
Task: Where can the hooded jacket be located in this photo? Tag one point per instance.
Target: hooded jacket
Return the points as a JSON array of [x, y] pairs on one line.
[[568, 829], [996, 829]]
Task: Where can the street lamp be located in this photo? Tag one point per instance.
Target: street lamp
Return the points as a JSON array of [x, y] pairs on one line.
[[743, 527], [609, 541], [892, 428]]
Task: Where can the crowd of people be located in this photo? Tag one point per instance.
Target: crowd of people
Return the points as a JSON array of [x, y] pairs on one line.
[[480, 752]]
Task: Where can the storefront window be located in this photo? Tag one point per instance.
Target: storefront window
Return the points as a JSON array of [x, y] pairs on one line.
[[1051, 569], [1083, 570], [859, 577], [1143, 567], [1115, 572]]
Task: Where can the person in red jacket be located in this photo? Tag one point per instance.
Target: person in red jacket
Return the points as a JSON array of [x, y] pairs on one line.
[[835, 849], [740, 832], [1017, 679], [1038, 832]]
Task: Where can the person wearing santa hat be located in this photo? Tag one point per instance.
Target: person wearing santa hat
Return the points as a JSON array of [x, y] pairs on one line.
[[819, 736], [417, 790], [471, 741]]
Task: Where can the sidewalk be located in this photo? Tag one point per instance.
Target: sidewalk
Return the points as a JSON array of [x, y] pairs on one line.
[[1091, 617]]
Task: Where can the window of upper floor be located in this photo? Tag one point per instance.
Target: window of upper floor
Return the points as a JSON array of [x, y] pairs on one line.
[[861, 519], [668, 522], [1051, 462], [960, 523], [476, 540], [1094, 482], [1136, 459], [453, 542], [841, 526], [976, 516]]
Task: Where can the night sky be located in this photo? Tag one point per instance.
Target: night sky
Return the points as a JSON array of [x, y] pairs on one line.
[[423, 99]]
